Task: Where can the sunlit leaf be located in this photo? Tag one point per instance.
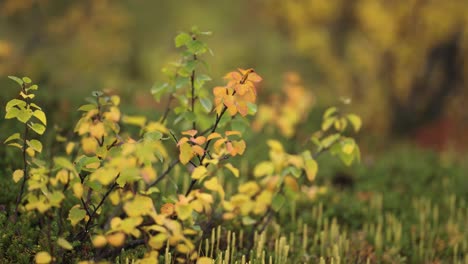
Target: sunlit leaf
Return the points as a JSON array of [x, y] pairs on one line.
[[99, 241], [35, 144], [18, 175], [199, 173], [76, 215], [63, 243], [186, 153], [233, 169], [12, 137], [182, 39], [41, 116], [116, 239], [355, 121], [38, 128], [264, 168], [43, 257]]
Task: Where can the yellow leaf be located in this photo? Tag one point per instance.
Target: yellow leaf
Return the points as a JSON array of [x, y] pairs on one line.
[[134, 120], [233, 169], [213, 185], [275, 145], [116, 239], [69, 148], [348, 148], [89, 145], [205, 260], [78, 190], [30, 151], [43, 257], [41, 116], [115, 197], [186, 153], [140, 206], [264, 168], [182, 248], [199, 173], [17, 175], [250, 188], [64, 244], [157, 241], [99, 241], [213, 136], [311, 169], [184, 211], [156, 126], [355, 121]]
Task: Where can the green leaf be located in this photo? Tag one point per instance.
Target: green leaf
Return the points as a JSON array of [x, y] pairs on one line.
[[38, 128], [24, 115], [97, 93], [328, 141], [27, 80], [15, 102], [278, 202], [207, 104], [247, 220], [16, 79], [153, 136], [63, 163], [329, 112], [63, 243], [16, 145], [87, 107], [35, 106], [41, 116], [355, 121], [13, 137], [182, 39], [181, 81], [327, 123], [76, 215], [190, 116], [35, 144], [12, 113], [239, 124], [81, 162], [252, 108], [33, 87], [196, 47], [158, 90]]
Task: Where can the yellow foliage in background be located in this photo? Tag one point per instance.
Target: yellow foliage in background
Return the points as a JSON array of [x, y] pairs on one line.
[[393, 58]]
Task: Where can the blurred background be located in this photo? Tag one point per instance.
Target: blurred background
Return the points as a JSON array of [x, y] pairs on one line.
[[403, 64]]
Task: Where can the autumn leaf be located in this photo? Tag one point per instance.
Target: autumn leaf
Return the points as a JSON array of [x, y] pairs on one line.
[[186, 153]]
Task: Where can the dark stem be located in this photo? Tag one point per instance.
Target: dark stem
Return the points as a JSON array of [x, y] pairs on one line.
[[164, 174], [168, 108], [192, 85], [218, 118], [92, 216], [25, 170]]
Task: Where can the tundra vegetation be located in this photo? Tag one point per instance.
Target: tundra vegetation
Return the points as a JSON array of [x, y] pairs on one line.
[[216, 177]]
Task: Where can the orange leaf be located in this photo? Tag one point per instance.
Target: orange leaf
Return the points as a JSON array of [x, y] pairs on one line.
[[192, 132], [213, 136]]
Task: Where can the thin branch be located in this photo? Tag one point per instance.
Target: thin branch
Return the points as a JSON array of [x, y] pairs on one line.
[[91, 217], [164, 174], [25, 173], [168, 109]]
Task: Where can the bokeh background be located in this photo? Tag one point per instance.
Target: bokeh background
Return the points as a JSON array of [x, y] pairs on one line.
[[403, 64]]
